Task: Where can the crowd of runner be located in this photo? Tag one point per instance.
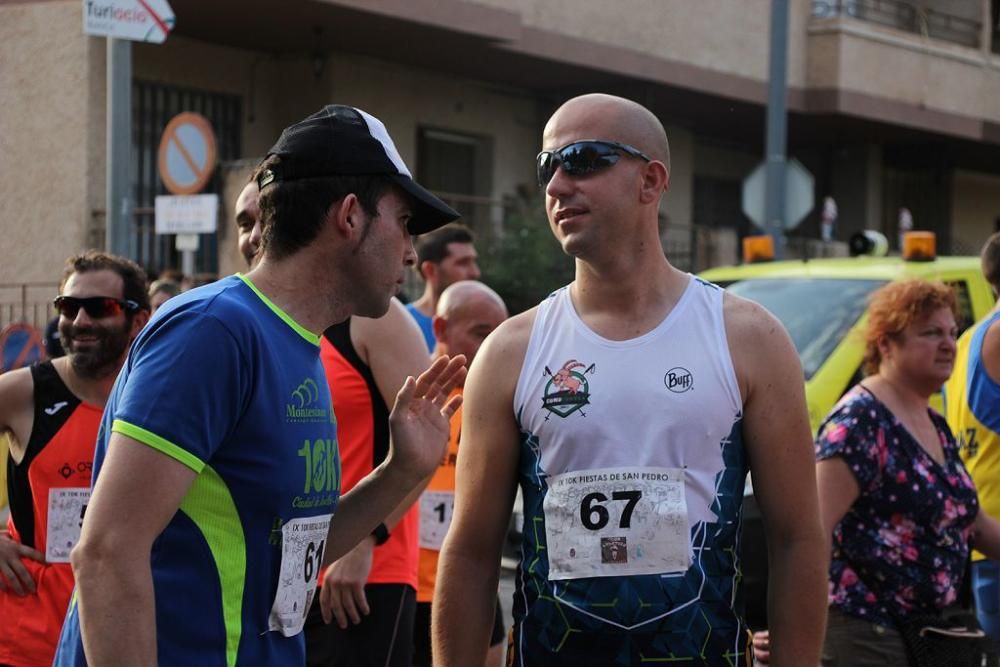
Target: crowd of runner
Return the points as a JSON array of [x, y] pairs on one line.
[[289, 466]]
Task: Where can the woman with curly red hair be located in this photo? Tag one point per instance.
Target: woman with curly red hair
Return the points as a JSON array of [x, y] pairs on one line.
[[894, 494], [893, 491]]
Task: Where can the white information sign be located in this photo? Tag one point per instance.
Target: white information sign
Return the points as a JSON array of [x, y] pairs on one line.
[[302, 543], [187, 214], [66, 510], [611, 522], [135, 20]]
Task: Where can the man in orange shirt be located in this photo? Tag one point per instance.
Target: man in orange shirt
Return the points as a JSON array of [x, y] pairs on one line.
[[364, 613], [467, 312], [50, 413]]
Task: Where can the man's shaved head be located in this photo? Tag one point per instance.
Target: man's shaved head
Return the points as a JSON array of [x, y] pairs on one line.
[[467, 312], [613, 119], [460, 294]]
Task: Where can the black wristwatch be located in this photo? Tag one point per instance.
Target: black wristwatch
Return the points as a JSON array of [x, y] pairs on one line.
[[381, 534]]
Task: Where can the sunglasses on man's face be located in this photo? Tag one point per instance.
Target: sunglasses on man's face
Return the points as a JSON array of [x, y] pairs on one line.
[[96, 307], [581, 158]]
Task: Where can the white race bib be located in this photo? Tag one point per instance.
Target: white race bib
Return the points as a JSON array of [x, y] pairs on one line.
[[436, 508], [302, 544], [66, 510], [616, 521]]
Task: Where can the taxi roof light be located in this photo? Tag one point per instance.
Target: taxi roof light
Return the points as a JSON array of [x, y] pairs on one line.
[[919, 246], [758, 249]]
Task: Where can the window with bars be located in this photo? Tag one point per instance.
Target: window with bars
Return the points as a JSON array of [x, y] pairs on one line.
[[458, 167], [153, 105]]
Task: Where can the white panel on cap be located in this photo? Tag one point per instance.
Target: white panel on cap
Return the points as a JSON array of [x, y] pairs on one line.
[[378, 131]]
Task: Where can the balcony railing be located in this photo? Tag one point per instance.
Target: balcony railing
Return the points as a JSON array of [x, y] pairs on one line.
[[908, 16]]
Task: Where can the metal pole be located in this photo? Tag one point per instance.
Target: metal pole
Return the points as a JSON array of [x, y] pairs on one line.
[[774, 201], [187, 262], [119, 145]]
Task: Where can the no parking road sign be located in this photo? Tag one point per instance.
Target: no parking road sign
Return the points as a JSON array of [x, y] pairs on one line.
[[187, 154], [20, 345]]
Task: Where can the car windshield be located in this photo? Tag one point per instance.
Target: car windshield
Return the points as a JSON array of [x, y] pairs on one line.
[[818, 312]]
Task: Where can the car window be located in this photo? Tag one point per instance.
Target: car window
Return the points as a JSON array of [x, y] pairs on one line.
[[817, 312]]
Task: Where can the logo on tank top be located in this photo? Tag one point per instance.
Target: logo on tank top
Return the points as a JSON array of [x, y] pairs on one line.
[[304, 406], [678, 380], [82, 468], [567, 390], [56, 407]]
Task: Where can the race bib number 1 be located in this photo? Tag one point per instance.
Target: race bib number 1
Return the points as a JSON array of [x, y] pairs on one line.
[[302, 544], [617, 521], [436, 508], [66, 509]]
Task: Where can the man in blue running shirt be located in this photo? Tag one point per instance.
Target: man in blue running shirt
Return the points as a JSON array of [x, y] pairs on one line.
[[444, 257], [216, 473]]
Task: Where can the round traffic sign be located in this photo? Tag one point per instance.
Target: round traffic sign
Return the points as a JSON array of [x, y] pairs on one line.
[[187, 154], [20, 345]]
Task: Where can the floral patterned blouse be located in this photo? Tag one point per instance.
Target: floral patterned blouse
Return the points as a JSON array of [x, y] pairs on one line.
[[903, 545]]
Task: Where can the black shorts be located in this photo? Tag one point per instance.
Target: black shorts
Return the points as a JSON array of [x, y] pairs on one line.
[[381, 639], [422, 633]]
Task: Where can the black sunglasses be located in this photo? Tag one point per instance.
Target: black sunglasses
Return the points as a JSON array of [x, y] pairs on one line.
[[582, 157], [95, 306]]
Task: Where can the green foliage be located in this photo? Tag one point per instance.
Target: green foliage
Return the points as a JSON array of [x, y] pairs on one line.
[[524, 263]]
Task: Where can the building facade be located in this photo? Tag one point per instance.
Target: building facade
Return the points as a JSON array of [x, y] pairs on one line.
[[892, 104]]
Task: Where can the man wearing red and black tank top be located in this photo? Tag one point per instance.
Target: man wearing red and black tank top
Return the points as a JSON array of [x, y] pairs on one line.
[[364, 612], [51, 413]]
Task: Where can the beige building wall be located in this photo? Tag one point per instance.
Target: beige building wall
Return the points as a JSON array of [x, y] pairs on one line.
[[282, 91], [725, 163], [407, 99], [975, 208], [48, 72], [403, 98], [860, 57], [677, 204], [720, 35]]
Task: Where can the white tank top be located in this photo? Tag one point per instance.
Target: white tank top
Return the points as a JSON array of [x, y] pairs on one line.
[[632, 470]]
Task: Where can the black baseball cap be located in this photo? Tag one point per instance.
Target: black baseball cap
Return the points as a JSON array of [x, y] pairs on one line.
[[339, 140]]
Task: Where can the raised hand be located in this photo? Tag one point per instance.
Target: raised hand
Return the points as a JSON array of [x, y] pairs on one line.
[[14, 576], [420, 419]]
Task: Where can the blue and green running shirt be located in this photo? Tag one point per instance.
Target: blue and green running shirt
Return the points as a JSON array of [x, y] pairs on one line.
[[226, 383]]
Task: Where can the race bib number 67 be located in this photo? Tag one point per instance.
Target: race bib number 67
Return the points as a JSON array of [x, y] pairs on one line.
[[612, 522], [302, 543]]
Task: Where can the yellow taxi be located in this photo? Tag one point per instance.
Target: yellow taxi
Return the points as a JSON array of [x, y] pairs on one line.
[[823, 305], [823, 302]]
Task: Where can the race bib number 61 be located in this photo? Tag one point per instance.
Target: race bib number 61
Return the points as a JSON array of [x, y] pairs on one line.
[[302, 543], [612, 522]]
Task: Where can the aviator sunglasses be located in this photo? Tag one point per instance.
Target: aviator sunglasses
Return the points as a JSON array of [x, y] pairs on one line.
[[95, 306], [581, 158]]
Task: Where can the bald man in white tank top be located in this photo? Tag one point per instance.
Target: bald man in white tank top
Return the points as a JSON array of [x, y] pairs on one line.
[[629, 407]]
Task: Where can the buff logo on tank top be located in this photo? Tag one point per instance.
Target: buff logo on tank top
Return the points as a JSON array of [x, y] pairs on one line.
[[568, 390]]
